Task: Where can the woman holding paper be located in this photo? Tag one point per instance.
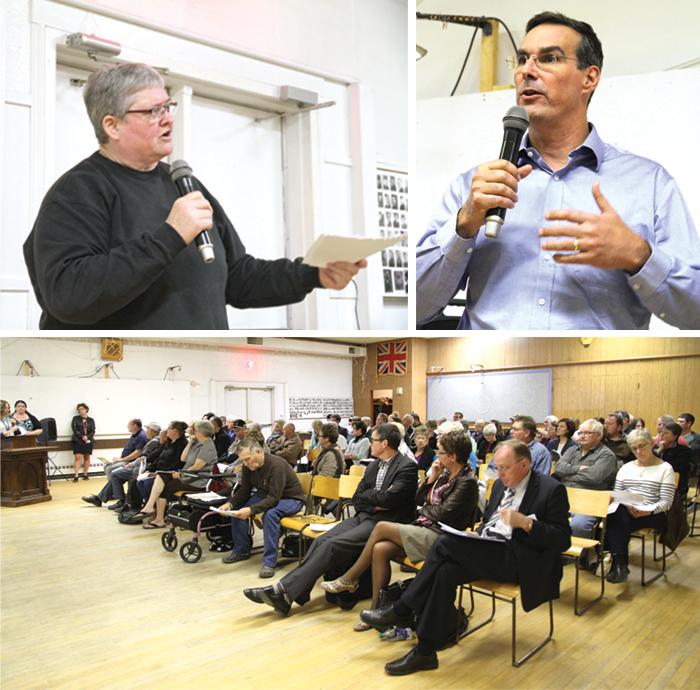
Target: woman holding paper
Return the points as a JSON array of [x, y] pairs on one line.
[[449, 495], [654, 479]]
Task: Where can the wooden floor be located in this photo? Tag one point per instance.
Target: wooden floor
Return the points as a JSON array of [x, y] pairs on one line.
[[88, 603]]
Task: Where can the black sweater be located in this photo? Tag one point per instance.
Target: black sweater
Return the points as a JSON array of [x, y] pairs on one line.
[[100, 255]]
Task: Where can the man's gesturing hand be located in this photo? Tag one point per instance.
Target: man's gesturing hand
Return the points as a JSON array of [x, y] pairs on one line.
[[601, 240]]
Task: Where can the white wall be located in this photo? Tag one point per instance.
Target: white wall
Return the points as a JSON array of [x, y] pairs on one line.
[[204, 367], [638, 36]]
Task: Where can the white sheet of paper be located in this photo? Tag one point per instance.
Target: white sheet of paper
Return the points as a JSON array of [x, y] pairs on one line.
[[330, 248], [468, 535], [322, 527], [627, 498]]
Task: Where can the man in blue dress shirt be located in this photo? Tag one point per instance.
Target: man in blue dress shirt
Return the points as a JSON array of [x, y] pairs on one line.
[[595, 237]]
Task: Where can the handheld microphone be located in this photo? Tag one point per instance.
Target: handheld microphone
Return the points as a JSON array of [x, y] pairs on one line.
[[181, 175], [515, 123]]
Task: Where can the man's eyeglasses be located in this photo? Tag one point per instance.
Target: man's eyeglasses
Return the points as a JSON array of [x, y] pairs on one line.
[[503, 470], [156, 113], [545, 61]]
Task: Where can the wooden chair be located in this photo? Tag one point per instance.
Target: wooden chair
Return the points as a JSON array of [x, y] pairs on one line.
[[321, 487], [357, 470], [421, 477], [654, 533], [508, 592], [348, 486], [586, 502], [307, 442]]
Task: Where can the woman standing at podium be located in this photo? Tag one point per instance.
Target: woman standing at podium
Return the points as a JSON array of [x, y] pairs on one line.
[[26, 420], [7, 424], [83, 439]]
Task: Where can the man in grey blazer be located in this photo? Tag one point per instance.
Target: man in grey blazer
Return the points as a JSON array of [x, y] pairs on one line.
[[528, 515], [386, 492]]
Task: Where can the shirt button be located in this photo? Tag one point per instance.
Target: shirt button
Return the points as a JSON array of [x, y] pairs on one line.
[[636, 286], [542, 302], [529, 153], [556, 177], [469, 251], [547, 257], [661, 315]]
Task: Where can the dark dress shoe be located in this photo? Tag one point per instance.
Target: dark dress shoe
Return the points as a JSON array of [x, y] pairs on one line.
[[618, 574], [411, 663], [92, 500], [254, 594], [385, 617], [116, 506], [277, 601]]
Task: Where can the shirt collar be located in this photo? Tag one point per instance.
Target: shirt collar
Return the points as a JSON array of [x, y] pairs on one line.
[[386, 462], [590, 153]]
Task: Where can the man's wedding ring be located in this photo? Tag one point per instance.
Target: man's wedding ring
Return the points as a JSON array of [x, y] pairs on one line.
[[576, 244]]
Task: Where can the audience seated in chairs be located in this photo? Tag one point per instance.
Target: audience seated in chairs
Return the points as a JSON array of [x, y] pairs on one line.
[[425, 455], [221, 439], [199, 454], [487, 443], [358, 444], [278, 494], [166, 457], [290, 448], [276, 437], [117, 477], [449, 495], [385, 492], [671, 450], [566, 428], [654, 479], [528, 513], [316, 430], [330, 462]]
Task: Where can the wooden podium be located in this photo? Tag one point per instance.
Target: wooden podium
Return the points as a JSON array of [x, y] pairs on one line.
[[23, 465]]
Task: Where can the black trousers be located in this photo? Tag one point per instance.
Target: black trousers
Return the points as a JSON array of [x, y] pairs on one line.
[[453, 561], [341, 543]]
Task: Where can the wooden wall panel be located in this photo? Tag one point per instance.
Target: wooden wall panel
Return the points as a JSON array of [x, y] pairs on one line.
[[587, 382]]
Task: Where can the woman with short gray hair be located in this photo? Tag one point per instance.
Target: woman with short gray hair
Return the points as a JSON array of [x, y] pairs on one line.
[[113, 243]]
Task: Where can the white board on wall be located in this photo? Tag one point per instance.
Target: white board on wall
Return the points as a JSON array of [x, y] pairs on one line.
[[112, 402], [491, 395]]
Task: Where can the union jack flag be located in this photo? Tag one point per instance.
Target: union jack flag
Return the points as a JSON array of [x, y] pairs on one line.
[[391, 358]]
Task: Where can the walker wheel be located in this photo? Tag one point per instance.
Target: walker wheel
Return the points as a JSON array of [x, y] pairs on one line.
[[169, 540], [190, 552]]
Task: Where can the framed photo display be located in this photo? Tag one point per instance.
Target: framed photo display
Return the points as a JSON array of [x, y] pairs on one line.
[[392, 202]]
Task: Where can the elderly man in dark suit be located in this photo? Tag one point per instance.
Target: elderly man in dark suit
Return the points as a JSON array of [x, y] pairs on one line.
[[528, 513], [386, 492]]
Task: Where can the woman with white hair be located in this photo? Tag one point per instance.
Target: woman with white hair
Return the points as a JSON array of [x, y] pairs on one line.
[[654, 479], [488, 443]]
